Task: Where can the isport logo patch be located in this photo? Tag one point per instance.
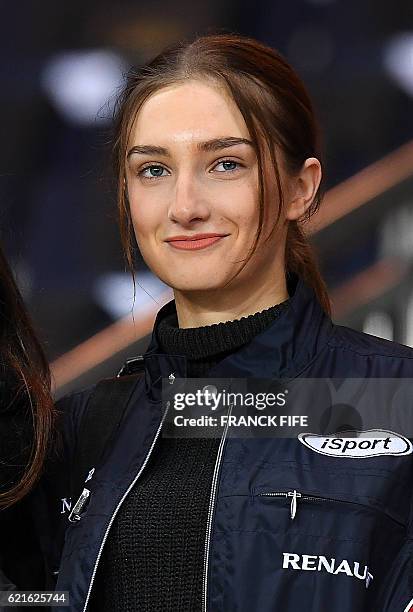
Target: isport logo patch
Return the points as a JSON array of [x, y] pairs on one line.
[[358, 444], [319, 563]]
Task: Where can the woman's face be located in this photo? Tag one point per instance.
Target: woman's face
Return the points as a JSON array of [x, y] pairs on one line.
[[191, 172]]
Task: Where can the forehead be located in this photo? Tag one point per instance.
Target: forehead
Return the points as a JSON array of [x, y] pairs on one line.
[[186, 113]]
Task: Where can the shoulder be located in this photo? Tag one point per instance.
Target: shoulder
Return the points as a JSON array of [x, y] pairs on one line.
[[361, 344], [69, 410], [71, 407]]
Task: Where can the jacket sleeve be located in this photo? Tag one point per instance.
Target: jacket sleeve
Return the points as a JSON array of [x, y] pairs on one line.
[[53, 503], [396, 594]]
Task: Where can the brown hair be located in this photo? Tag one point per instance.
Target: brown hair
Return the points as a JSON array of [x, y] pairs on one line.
[[274, 104], [25, 374]]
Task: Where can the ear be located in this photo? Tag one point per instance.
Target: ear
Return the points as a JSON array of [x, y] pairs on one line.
[[303, 189]]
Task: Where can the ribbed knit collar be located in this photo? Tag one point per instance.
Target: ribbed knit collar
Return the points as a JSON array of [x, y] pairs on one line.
[[210, 340]]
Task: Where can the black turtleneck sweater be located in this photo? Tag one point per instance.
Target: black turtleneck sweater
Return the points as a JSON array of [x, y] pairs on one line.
[[153, 557]]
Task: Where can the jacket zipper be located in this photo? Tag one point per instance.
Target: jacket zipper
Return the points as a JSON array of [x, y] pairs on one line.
[[119, 505], [76, 510], [295, 495], [210, 513]]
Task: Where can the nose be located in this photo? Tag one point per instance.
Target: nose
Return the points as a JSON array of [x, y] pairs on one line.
[[189, 202]]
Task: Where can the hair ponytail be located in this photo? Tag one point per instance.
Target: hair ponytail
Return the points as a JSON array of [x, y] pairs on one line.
[[301, 259]]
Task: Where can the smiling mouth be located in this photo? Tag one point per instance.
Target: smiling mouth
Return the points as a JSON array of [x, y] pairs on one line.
[[194, 244]]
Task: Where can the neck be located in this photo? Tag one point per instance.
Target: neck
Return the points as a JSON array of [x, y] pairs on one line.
[[200, 308]]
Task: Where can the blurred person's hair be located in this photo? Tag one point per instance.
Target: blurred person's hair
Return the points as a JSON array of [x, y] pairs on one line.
[[25, 378], [277, 111]]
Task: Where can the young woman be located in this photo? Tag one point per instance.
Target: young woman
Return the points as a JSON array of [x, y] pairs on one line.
[[26, 425], [218, 164]]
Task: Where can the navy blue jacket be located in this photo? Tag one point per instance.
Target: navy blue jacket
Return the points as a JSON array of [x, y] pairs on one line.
[[291, 526]]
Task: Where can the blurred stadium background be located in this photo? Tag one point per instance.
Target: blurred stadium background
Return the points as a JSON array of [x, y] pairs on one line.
[[61, 65]]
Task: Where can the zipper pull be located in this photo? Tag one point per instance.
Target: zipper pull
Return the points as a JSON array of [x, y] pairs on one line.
[[293, 506], [90, 474], [75, 513]]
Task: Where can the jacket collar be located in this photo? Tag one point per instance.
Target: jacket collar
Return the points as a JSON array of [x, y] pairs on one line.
[[282, 350]]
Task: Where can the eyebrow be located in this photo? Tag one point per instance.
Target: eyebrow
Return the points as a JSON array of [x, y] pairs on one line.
[[215, 144]]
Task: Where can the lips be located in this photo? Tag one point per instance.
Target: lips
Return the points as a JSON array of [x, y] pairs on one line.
[[192, 243]]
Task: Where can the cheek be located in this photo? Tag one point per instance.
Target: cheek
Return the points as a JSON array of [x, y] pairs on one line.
[[242, 203], [246, 214], [146, 215]]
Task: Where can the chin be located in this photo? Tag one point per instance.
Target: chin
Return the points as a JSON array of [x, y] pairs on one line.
[[198, 283]]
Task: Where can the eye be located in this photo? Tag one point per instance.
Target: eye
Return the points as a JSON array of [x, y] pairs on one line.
[[228, 162], [155, 172]]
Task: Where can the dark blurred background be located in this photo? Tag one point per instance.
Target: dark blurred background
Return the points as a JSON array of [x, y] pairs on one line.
[[61, 65]]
